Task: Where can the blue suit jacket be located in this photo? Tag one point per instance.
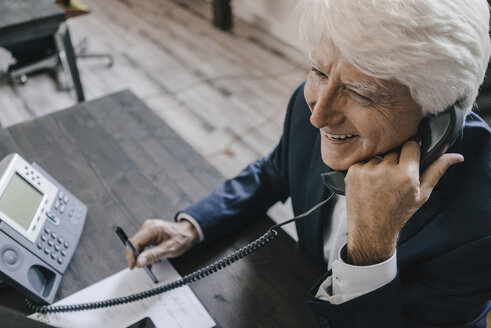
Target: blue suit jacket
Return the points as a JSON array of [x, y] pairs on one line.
[[444, 250]]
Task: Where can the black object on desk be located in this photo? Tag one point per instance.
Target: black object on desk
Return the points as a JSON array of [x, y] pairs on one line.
[[127, 242], [13, 319], [127, 165], [28, 20]]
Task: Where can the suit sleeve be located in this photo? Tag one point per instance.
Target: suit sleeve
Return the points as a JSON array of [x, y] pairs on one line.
[[245, 198], [455, 295]]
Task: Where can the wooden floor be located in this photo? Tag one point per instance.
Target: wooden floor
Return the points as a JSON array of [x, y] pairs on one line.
[[225, 93]]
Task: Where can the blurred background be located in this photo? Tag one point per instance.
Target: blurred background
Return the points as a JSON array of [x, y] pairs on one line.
[[224, 92]]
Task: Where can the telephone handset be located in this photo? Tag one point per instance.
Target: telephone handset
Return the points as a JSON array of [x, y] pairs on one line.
[[437, 132]]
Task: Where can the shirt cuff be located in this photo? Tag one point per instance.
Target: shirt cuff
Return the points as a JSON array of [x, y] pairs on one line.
[[351, 281], [185, 216]]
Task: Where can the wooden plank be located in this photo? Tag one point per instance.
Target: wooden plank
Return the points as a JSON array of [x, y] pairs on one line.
[[212, 87]]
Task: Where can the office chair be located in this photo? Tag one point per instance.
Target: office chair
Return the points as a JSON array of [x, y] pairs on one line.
[[49, 53], [54, 60]]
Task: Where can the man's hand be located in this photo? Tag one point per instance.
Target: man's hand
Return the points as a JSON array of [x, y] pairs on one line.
[[169, 239], [381, 196]]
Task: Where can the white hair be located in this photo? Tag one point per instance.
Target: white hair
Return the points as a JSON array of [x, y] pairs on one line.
[[439, 49]]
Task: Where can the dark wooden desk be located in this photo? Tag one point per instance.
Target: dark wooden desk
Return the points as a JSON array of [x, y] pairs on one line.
[[127, 165], [28, 20]]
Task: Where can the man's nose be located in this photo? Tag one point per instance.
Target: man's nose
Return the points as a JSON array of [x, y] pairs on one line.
[[327, 109]]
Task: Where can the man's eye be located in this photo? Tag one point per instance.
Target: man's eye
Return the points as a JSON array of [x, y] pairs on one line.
[[318, 73], [365, 101]]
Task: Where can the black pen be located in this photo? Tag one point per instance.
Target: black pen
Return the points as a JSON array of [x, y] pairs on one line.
[[127, 242]]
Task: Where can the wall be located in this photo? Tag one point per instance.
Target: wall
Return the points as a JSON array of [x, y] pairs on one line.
[[276, 17]]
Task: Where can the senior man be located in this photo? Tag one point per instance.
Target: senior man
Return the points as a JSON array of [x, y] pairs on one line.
[[402, 248]]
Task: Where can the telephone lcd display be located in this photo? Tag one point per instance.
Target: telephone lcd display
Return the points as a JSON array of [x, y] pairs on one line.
[[20, 200]]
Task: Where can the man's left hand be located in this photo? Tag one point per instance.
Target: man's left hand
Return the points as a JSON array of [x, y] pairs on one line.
[[382, 194]]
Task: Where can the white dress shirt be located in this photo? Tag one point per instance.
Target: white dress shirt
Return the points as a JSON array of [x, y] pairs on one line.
[[349, 281]]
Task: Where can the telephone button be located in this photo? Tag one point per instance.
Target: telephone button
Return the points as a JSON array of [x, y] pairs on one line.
[[53, 255], [57, 205], [60, 240], [57, 248], [46, 229], [10, 257], [65, 199], [66, 244], [46, 251], [50, 242], [60, 260], [53, 218], [62, 209], [53, 235], [40, 246], [63, 252], [44, 237]]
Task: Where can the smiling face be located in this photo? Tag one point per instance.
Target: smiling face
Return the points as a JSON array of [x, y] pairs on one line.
[[358, 116]]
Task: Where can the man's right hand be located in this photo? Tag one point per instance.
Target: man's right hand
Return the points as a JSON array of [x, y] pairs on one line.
[[169, 239]]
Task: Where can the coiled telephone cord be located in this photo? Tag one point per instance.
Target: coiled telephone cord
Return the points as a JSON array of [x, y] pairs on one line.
[[192, 277]]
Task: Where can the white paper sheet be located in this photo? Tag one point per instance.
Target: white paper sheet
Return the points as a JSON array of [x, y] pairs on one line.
[[176, 308]]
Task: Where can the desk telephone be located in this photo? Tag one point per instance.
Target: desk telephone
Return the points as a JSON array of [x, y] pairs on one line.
[[438, 133], [40, 226]]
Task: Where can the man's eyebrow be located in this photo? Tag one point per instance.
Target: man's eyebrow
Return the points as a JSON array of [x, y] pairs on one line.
[[375, 93], [315, 63]]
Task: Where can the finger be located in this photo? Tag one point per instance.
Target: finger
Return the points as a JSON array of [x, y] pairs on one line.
[[154, 254], [144, 237], [436, 170], [130, 258], [375, 160], [392, 157], [410, 155]]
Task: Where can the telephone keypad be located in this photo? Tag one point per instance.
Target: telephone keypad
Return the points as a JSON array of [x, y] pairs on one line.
[[53, 245]]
